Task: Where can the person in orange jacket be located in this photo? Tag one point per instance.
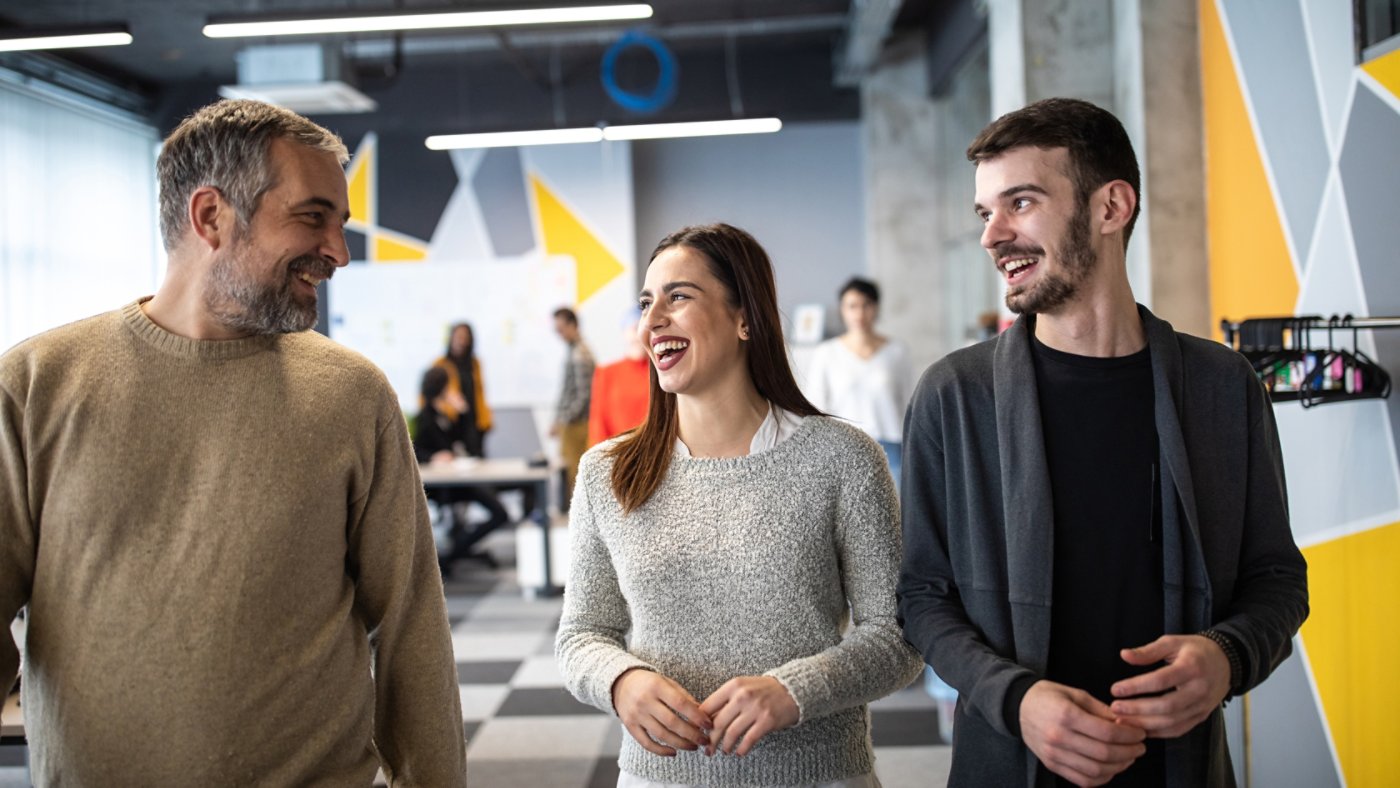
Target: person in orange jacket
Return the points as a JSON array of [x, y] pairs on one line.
[[620, 389]]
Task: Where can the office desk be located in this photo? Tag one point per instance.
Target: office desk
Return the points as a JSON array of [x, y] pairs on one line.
[[501, 473]]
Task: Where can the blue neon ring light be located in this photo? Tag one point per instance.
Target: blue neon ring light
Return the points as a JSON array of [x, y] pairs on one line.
[[665, 88]]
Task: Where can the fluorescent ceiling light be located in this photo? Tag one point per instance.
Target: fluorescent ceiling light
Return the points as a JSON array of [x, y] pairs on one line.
[[510, 139], [652, 131], [64, 39], [383, 22], [709, 128]]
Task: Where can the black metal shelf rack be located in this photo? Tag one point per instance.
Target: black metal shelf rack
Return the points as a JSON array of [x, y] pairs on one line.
[[1294, 367]]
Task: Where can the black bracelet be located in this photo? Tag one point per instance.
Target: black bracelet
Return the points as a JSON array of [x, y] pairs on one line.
[[1232, 654]]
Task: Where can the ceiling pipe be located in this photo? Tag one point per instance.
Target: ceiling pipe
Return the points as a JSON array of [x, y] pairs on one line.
[[870, 23], [604, 36]]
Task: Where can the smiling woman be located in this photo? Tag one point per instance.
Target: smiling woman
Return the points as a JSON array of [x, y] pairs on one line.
[[710, 295], [721, 549]]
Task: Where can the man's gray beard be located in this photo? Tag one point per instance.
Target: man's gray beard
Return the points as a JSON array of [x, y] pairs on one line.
[[241, 303], [1054, 290]]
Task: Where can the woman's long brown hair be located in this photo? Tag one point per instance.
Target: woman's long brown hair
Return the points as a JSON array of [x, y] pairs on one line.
[[643, 457]]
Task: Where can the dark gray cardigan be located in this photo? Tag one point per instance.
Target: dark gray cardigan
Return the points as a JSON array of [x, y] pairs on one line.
[[974, 593]]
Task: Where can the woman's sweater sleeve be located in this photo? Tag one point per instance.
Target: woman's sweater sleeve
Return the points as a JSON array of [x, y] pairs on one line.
[[590, 647], [872, 660]]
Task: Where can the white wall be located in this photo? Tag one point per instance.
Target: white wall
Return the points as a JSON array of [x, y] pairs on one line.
[[799, 192]]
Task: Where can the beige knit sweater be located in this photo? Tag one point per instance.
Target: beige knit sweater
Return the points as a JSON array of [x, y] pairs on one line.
[[226, 555]]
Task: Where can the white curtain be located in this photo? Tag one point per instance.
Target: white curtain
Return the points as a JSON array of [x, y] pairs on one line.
[[77, 210]]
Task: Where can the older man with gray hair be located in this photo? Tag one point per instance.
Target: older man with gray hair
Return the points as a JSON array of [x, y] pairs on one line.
[[213, 515]]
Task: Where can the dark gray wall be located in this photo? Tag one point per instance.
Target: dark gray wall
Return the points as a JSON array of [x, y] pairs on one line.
[[799, 191]]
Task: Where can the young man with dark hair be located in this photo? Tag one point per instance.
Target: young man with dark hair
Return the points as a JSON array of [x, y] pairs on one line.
[[213, 515], [1097, 547], [575, 396]]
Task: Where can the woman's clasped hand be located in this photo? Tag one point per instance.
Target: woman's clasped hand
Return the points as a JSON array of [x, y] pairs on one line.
[[663, 717]]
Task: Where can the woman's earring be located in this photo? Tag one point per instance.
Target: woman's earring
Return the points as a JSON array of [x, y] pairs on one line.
[[744, 334]]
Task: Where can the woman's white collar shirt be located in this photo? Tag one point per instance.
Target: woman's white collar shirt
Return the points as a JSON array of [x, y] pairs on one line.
[[777, 426]]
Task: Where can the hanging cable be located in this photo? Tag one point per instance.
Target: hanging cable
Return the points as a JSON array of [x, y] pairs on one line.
[[556, 82], [731, 68]]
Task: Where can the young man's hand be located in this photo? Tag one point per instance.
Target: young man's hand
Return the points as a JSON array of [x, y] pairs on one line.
[[1192, 684], [1075, 735]]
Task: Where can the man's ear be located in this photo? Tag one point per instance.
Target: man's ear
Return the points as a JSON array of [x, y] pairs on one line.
[[211, 217], [1116, 204]]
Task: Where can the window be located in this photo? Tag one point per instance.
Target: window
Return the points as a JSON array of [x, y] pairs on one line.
[[77, 209], [1377, 27]]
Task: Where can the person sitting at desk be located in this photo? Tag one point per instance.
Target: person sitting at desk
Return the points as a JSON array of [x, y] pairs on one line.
[[438, 438], [469, 404]]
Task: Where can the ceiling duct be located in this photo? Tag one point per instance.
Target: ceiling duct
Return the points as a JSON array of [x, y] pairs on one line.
[[308, 78]]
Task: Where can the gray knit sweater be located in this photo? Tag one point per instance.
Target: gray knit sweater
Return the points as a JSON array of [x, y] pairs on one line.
[[746, 566]]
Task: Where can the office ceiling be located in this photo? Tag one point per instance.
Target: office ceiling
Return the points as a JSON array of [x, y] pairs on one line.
[[737, 58]]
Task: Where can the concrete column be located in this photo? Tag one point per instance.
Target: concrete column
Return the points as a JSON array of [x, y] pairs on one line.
[[922, 235], [1068, 49], [1163, 99], [900, 142]]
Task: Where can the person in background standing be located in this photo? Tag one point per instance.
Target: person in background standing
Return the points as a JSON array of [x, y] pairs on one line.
[[862, 376], [571, 415], [464, 386], [621, 389]]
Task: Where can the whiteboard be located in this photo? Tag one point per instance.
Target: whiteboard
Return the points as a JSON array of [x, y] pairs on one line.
[[398, 315]]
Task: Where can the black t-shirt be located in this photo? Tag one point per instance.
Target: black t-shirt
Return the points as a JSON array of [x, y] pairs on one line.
[[1101, 449], [434, 432]]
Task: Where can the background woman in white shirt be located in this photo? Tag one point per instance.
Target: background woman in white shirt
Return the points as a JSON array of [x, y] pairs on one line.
[[862, 376]]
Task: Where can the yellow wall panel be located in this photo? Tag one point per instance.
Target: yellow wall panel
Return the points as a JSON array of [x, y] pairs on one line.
[[1386, 70], [1352, 639], [388, 249], [1251, 273], [361, 206], [564, 234]]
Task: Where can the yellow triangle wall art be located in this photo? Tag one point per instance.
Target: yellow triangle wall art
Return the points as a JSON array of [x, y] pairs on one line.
[[387, 248], [382, 245], [565, 234], [1352, 640], [1386, 70], [360, 177]]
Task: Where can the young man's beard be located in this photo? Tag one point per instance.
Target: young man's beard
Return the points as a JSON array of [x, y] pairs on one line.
[[1076, 257]]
